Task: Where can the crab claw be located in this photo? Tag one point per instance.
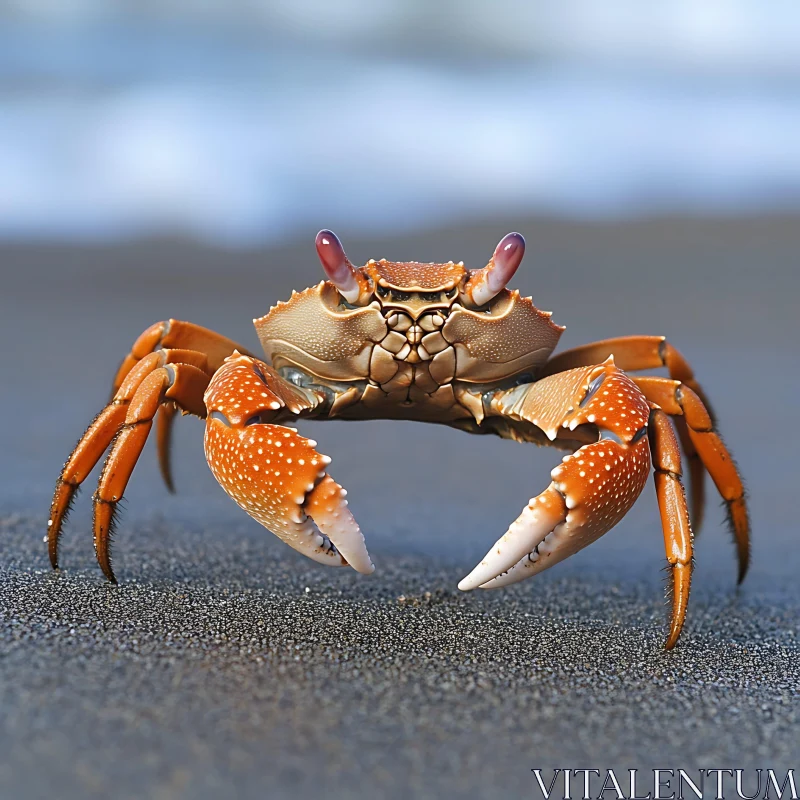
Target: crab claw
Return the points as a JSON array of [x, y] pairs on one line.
[[273, 473], [591, 492], [279, 479], [337, 266], [538, 519], [489, 281]]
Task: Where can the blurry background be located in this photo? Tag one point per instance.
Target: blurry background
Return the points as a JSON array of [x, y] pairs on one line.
[[175, 158], [245, 122]]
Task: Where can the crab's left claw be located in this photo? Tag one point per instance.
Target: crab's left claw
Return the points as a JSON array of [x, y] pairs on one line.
[[594, 487], [591, 492], [273, 473]]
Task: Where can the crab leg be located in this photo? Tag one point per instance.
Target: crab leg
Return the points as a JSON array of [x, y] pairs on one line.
[[180, 383], [174, 333], [100, 434], [164, 427], [674, 516], [677, 399], [696, 468], [273, 473], [81, 462], [633, 353]]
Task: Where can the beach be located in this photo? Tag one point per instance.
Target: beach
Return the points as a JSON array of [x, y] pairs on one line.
[[224, 662]]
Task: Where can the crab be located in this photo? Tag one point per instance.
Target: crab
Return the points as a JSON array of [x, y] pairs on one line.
[[432, 343]]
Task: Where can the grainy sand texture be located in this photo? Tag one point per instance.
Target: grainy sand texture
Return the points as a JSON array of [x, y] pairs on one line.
[[224, 664]]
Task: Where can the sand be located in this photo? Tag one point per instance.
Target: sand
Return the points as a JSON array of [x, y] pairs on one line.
[[225, 664]]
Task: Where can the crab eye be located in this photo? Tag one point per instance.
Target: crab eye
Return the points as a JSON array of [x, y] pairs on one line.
[[431, 297], [401, 296], [452, 293], [383, 291], [341, 273]]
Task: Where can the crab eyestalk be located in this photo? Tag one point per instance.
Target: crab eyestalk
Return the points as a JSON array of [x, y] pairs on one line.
[[488, 282], [341, 273]]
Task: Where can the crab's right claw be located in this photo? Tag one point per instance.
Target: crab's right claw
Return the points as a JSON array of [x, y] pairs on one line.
[[271, 471], [279, 479]]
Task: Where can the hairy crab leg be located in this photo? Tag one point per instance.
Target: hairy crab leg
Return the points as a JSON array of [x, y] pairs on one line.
[[174, 334], [179, 383], [273, 473], [674, 516], [99, 435], [696, 469], [87, 453], [164, 428], [677, 399], [633, 353]]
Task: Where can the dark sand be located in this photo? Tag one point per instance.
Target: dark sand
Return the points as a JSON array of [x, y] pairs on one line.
[[227, 665]]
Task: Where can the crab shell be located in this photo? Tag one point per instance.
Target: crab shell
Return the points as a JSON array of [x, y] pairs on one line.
[[425, 340]]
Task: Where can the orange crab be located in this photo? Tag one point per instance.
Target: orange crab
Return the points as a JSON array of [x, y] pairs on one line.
[[427, 342]]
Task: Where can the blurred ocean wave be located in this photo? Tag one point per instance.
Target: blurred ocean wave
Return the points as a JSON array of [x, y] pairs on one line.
[[239, 124]]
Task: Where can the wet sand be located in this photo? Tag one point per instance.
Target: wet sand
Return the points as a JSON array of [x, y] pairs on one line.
[[226, 663]]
